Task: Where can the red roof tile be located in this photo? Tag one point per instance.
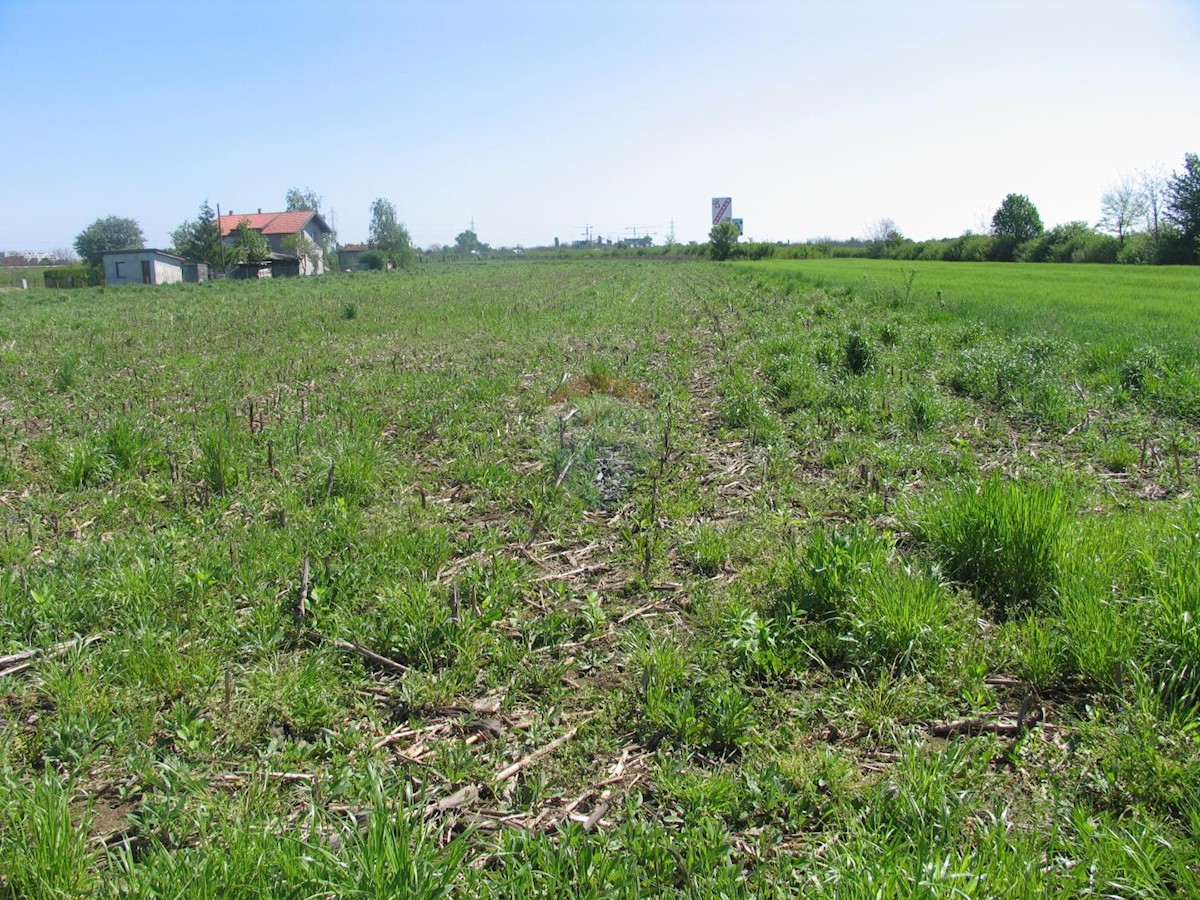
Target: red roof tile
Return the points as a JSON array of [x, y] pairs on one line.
[[272, 223]]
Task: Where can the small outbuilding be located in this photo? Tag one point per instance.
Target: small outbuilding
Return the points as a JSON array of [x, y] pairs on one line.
[[350, 256], [150, 266]]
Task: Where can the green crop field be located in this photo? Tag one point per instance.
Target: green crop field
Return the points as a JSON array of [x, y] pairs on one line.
[[1115, 305], [603, 578]]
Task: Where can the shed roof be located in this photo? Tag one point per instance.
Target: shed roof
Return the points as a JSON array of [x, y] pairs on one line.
[[274, 222], [129, 250]]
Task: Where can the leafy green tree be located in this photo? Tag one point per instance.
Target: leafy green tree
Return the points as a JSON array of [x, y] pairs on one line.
[[301, 246], [1017, 218], [110, 233], [1014, 223], [297, 199], [388, 235], [467, 241], [723, 240], [1183, 205], [200, 238], [249, 246]]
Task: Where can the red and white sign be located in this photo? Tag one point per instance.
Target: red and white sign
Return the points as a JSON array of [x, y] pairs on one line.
[[722, 209]]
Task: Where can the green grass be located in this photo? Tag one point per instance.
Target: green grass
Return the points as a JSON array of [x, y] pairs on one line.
[[770, 586], [1117, 305]]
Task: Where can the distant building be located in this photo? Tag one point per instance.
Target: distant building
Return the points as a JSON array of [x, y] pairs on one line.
[[350, 256], [29, 258], [282, 229], [150, 266]]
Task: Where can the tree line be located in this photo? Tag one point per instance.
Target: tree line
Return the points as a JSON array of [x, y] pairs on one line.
[[1153, 218]]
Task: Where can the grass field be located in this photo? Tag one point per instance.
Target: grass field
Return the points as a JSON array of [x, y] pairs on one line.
[[1114, 305], [602, 579], [10, 278]]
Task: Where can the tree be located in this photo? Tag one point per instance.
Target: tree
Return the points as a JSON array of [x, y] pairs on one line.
[[1014, 223], [1122, 206], [308, 199], [1153, 185], [200, 238], [388, 235], [249, 246], [301, 246], [467, 241], [722, 240], [1017, 219], [1183, 205], [110, 233], [883, 236], [297, 199]]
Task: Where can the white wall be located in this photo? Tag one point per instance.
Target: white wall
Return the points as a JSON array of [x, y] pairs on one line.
[[164, 269]]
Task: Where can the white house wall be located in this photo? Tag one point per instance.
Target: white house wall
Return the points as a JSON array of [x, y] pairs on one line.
[[166, 272]]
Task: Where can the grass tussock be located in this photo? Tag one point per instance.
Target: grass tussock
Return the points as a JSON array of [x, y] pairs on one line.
[[1003, 540]]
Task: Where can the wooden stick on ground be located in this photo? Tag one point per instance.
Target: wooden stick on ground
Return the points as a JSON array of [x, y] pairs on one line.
[[506, 773], [369, 655], [303, 604], [19, 662]]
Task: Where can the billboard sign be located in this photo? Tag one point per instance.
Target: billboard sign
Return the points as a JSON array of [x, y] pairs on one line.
[[722, 210]]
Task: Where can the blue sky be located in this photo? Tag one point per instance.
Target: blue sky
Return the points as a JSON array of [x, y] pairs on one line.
[[538, 119]]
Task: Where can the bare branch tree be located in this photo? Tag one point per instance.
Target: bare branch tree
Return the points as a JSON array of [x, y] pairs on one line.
[[1153, 185], [1122, 206]]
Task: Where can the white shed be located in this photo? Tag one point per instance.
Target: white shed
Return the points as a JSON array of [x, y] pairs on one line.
[[143, 267]]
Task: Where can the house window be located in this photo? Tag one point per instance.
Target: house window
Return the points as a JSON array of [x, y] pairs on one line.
[[119, 269]]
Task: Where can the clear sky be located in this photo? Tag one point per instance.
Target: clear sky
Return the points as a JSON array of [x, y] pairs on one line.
[[540, 118]]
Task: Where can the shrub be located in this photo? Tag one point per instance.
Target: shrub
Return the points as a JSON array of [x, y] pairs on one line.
[[1003, 540], [372, 259]]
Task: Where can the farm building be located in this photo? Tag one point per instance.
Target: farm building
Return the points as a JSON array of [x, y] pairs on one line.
[[350, 256], [295, 238], [150, 266]]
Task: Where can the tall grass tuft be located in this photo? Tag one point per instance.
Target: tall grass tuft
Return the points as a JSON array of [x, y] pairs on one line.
[[903, 621], [43, 853], [217, 467], [1003, 540], [86, 464], [68, 372], [859, 353]]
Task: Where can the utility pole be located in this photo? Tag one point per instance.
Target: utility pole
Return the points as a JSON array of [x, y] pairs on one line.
[[220, 239]]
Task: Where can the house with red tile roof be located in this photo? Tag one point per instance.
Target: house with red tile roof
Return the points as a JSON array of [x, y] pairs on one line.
[[296, 238]]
